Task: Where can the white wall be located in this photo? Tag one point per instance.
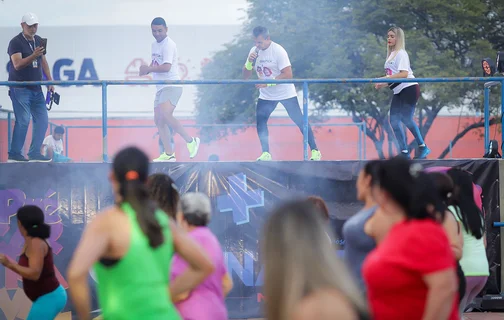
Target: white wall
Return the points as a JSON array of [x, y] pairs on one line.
[[115, 53]]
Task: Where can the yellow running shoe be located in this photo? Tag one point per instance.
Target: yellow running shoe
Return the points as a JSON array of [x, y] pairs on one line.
[[265, 156], [166, 158], [316, 155], [193, 147]]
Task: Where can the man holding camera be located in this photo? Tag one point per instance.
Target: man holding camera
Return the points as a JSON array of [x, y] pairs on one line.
[[27, 62]]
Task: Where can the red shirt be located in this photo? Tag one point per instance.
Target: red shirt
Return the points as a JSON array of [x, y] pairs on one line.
[[394, 271]]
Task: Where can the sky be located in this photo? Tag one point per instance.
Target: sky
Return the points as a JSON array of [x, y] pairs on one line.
[[124, 12]]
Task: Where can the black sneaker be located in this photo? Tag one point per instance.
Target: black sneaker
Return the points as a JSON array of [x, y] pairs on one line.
[[39, 158], [17, 158]]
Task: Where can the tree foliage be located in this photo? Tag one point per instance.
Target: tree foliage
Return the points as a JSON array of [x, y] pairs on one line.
[[346, 39]]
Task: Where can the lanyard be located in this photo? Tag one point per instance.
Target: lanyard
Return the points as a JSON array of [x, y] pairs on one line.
[[32, 47]]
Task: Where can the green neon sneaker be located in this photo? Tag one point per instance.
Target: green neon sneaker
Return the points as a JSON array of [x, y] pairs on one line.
[[193, 147], [164, 157], [316, 155], [265, 156]]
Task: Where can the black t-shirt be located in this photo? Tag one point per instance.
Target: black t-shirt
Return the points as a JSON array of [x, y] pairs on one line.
[[33, 71]]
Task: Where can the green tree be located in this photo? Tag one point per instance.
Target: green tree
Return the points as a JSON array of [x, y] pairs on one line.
[[343, 39]]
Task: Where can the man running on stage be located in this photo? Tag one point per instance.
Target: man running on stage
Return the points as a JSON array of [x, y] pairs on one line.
[[272, 62], [164, 66]]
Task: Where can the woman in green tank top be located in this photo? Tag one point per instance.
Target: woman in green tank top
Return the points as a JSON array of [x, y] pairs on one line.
[[130, 247], [474, 260]]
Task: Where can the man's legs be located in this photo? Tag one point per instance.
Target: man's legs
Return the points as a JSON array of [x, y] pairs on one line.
[[20, 98], [167, 100], [263, 112], [294, 112], [164, 131], [40, 122], [167, 109]]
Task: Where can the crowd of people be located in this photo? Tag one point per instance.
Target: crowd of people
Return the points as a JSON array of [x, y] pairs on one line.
[[415, 251]]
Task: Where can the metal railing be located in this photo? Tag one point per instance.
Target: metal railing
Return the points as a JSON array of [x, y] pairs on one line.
[[305, 82], [361, 142], [487, 87]]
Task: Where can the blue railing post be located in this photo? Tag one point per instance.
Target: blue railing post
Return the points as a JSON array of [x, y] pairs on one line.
[[9, 132], [305, 120], [361, 130], [66, 141], [502, 111], [365, 138], [104, 121], [487, 116]]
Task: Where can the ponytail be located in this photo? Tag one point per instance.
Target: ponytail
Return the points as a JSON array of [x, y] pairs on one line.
[[469, 214], [42, 231], [135, 193], [466, 208], [426, 202], [32, 219]]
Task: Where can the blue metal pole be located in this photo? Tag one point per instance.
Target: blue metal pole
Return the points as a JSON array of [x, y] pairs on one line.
[[66, 141], [104, 121], [365, 138], [360, 140], [305, 120], [487, 117], [502, 111], [9, 128]]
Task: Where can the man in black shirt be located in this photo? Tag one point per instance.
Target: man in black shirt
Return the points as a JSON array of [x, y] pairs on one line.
[[27, 61]]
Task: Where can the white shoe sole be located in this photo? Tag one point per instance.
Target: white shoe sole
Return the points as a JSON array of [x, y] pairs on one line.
[[16, 161], [171, 160], [196, 149], [39, 160]]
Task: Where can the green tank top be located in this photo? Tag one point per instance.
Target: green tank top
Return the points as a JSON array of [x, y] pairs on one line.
[[474, 260], [136, 287]]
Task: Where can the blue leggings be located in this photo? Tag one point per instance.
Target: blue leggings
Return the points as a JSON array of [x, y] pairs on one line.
[[48, 306], [402, 109]]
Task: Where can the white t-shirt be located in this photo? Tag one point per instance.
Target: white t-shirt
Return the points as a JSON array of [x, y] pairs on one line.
[[165, 52], [56, 145], [269, 65], [397, 63]]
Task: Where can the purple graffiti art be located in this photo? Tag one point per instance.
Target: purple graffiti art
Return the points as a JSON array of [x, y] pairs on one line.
[[10, 201]]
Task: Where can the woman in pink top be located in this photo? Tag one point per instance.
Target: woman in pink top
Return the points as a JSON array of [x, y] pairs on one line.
[[206, 302]]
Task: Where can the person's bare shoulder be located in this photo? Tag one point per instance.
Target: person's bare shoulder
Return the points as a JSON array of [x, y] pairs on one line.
[[106, 217], [325, 305]]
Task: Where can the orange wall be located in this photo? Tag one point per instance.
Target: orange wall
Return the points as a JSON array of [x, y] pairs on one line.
[[335, 143]]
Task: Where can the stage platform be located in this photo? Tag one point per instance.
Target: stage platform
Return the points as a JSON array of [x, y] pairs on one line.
[[242, 193]]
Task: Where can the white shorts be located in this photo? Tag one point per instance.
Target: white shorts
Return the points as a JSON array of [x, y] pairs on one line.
[[171, 94]]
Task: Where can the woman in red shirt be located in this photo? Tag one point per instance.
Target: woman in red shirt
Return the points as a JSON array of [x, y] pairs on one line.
[[412, 273]]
